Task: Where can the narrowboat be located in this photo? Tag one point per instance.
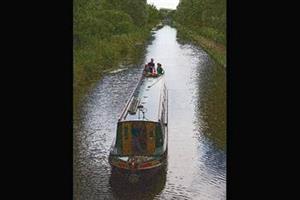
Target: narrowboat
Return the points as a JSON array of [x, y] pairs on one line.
[[141, 143]]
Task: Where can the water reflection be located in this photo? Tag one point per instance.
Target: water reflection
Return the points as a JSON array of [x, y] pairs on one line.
[[211, 106], [146, 189]]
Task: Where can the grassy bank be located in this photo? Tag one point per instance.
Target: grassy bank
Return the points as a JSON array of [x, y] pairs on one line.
[[94, 60], [203, 22], [215, 49], [107, 33]]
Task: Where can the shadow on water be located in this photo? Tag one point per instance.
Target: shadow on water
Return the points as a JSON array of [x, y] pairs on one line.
[[212, 103], [145, 189]]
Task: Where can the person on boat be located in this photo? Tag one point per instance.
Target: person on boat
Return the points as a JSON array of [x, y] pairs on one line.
[[151, 65], [146, 70], [160, 70]]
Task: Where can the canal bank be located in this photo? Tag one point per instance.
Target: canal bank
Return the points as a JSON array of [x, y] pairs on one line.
[[216, 50]]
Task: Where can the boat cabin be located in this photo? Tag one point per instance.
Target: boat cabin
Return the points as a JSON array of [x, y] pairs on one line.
[[142, 126]]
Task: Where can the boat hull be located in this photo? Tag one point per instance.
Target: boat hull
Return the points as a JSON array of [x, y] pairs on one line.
[[134, 175], [137, 175]]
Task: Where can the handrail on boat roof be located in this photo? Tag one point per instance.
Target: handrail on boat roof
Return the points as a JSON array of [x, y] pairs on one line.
[[130, 99]]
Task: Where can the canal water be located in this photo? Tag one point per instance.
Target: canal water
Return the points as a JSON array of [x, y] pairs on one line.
[[196, 166]]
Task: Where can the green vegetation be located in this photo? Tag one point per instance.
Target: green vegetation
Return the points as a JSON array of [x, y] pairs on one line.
[[106, 34], [204, 22]]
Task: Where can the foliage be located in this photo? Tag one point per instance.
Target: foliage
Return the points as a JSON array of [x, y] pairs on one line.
[[203, 13], [134, 8], [204, 22], [154, 15], [106, 33]]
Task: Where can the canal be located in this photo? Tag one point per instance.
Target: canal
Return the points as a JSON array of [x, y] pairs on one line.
[[197, 127]]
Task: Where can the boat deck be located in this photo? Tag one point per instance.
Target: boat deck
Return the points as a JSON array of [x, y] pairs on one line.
[[144, 103]]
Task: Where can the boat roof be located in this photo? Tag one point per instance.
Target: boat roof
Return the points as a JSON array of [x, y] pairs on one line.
[[146, 98]]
